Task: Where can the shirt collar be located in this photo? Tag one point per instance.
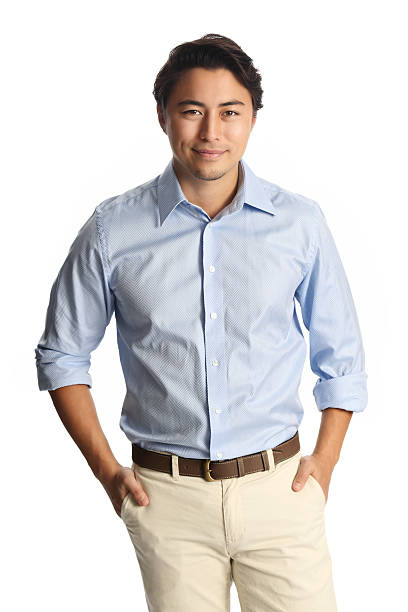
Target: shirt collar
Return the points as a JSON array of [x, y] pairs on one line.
[[251, 191]]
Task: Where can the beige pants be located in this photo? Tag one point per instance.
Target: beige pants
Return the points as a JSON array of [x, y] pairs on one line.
[[196, 536]]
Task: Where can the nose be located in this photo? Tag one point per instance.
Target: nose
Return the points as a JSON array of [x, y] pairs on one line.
[[210, 127]]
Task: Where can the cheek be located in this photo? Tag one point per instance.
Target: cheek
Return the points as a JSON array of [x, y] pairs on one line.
[[184, 131], [237, 132]]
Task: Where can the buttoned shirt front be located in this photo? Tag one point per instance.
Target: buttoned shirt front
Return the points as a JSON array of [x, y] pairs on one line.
[[208, 335]]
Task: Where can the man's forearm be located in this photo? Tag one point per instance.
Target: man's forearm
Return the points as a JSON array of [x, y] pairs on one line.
[[76, 409], [333, 428]]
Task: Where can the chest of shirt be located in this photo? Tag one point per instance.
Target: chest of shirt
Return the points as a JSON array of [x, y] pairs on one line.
[[247, 265]]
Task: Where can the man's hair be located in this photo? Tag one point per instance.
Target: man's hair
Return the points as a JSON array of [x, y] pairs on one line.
[[211, 51]]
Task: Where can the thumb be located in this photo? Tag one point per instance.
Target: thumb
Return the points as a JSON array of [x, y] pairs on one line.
[[300, 479]]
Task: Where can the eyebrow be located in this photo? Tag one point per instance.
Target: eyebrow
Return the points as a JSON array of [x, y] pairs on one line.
[[198, 103]]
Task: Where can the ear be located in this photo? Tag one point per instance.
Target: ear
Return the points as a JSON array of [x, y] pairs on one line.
[[253, 121], [161, 118]]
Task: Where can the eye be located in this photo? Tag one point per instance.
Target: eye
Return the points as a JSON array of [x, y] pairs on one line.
[[194, 110]]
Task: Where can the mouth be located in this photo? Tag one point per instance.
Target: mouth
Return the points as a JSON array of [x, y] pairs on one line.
[[209, 153]]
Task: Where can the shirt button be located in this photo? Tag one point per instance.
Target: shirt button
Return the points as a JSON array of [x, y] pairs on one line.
[[214, 362], [211, 268], [219, 454], [213, 315], [218, 410]]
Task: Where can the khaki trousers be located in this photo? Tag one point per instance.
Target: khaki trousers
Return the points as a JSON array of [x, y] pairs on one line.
[[195, 537]]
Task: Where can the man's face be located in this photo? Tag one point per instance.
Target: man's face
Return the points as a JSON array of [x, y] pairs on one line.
[[195, 121]]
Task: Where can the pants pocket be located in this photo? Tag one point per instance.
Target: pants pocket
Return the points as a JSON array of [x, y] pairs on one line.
[[124, 503], [318, 487]]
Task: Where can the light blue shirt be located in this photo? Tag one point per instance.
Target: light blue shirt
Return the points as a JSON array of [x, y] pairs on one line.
[[209, 340]]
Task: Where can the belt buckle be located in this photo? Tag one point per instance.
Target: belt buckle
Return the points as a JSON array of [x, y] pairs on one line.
[[207, 470]]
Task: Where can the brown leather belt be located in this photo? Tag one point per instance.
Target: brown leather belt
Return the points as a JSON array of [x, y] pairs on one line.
[[216, 470]]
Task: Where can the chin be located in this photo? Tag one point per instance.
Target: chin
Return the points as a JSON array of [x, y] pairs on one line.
[[210, 174]]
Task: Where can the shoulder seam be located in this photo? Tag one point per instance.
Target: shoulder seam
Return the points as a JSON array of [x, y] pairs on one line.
[[313, 244], [102, 243]]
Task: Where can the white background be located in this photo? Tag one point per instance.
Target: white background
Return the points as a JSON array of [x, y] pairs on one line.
[[79, 125]]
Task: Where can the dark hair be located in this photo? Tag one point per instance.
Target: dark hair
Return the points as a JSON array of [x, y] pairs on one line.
[[210, 51]]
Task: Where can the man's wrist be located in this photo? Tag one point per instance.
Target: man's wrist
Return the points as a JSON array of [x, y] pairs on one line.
[[327, 457], [106, 469]]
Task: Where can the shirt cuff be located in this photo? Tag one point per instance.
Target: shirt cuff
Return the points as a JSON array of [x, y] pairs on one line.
[[49, 382], [348, 392]]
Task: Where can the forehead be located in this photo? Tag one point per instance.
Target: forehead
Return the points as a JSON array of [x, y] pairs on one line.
[[208, 86]]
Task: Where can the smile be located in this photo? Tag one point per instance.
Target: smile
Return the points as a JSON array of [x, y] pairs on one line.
[[209, 155]]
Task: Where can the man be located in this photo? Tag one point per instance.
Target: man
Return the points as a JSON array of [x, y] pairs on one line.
[[202, 266]]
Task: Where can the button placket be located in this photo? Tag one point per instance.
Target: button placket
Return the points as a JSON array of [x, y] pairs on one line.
[[214, 335]]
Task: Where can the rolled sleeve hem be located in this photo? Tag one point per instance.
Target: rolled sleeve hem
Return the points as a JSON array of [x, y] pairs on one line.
[[46, 384], [347, 392]]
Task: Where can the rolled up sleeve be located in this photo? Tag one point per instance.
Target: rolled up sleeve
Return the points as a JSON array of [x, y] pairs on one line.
[[328, 312], [79, 310]]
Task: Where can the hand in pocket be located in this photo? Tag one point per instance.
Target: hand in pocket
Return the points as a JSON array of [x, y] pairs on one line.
[[318, 468], [122, 483]]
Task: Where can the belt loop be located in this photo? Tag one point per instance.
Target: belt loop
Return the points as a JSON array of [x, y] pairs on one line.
[[175, 467], [241, 466], [272, 466]]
